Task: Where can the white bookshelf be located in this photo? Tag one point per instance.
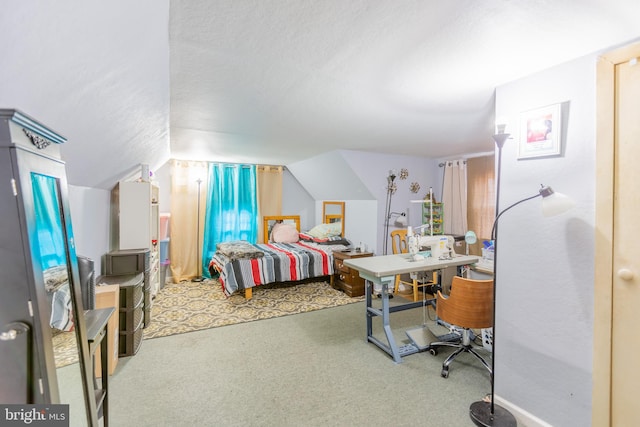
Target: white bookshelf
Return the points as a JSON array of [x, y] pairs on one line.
[[138, 223]]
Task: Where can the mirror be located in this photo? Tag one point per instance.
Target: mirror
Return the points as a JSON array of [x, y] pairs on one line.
[[61, 296], [333, 212]]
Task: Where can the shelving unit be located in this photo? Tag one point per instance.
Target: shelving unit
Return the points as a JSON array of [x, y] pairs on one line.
[[136, 225], [154, 262], [433, 213], [130, 311]]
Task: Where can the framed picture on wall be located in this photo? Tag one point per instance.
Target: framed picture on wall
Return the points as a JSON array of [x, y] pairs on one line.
[[540, 132]]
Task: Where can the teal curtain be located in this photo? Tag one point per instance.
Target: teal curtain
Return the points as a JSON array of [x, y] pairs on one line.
[[49, 231], [232, 208]]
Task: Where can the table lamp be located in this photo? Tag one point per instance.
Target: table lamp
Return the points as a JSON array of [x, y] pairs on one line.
[[470, 238]]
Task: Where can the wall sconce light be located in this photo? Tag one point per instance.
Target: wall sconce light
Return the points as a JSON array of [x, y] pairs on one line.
[[400, 219]]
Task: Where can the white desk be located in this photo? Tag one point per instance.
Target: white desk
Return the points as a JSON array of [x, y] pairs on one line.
[[382, 270]]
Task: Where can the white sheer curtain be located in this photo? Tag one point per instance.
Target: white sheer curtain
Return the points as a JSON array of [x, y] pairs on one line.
[[454, 197]]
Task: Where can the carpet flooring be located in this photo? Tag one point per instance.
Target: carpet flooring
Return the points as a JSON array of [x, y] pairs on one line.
[[313, 369]]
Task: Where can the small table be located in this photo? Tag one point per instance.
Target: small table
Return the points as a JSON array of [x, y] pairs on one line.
[[382, 270], [96, 321]]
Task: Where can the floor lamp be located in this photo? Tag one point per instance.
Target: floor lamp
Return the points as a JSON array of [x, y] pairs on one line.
[[391, 188], [485, 413], [199, 277]]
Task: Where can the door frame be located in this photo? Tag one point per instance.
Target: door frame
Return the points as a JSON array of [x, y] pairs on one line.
[[605, 190]]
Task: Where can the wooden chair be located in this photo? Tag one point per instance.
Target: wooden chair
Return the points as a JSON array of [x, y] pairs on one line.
[[399, 246], [469, 306]]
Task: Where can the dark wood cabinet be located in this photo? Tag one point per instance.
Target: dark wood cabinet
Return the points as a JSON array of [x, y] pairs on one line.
[[346, 279]]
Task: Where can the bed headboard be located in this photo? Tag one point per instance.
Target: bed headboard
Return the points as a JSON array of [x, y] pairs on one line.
[[333, 212], [268, 221]]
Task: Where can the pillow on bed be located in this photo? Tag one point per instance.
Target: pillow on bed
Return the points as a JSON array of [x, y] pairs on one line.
[[284, 233], [333, 240], [322, 231]]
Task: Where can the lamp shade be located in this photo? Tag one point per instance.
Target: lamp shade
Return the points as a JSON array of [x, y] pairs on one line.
[[555, 203], [470, 237], [401, 221]]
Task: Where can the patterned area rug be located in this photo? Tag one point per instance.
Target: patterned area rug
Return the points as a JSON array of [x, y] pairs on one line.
[[192, 306]]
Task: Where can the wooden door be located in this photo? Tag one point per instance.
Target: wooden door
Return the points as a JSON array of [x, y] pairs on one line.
[[617, 287], [626, 247]]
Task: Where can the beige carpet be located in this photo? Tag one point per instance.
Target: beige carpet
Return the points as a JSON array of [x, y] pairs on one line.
[[192, 306]]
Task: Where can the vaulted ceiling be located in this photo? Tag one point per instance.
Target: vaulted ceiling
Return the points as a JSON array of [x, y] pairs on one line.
[[278, 81]]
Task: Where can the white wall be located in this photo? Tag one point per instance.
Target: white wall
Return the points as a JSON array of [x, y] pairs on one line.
[[358, 222], [360, 179], [90, 210], [297, 201], [162, 178], [97, 73], [329, 177], [544, 318], [372, 169]]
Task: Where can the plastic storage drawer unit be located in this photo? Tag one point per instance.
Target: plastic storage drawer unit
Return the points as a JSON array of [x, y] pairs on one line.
[[131, 311]]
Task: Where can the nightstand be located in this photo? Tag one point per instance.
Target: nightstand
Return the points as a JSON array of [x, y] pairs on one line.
[[347, 279]]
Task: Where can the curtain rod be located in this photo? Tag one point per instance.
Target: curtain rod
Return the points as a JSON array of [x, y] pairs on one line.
[[246, 165], [471, 156], [464, 161], [230, 163]]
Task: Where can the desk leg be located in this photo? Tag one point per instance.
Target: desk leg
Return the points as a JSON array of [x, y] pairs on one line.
[[391, 348], [368, 291], [395, 353], [104, 365]]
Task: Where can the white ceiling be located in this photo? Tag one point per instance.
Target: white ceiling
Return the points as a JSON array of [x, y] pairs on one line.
[[279, 81]]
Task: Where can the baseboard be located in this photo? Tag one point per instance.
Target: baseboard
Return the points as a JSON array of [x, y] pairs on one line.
[[524, 418]]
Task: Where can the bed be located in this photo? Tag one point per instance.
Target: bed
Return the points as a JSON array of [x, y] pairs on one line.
[[56, 283], [240, 265]]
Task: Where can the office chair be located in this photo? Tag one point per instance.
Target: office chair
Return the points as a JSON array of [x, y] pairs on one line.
[[468, 306], [399, 246]]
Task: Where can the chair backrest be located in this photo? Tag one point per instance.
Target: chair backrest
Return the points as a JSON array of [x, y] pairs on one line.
[[399, 241], [469, 304]]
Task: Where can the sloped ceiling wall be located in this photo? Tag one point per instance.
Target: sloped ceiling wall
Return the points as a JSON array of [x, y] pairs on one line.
[[95, 72], [312, 76], [329, 177], [360, 175]]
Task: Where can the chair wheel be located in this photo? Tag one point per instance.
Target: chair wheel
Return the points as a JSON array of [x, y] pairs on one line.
[[433, 351], [444, 373]]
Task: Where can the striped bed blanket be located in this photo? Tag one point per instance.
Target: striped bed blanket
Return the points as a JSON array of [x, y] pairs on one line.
[[281, 262]]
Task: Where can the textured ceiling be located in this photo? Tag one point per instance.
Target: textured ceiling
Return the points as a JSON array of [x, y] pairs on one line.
[[279, 81], [97, 73]]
